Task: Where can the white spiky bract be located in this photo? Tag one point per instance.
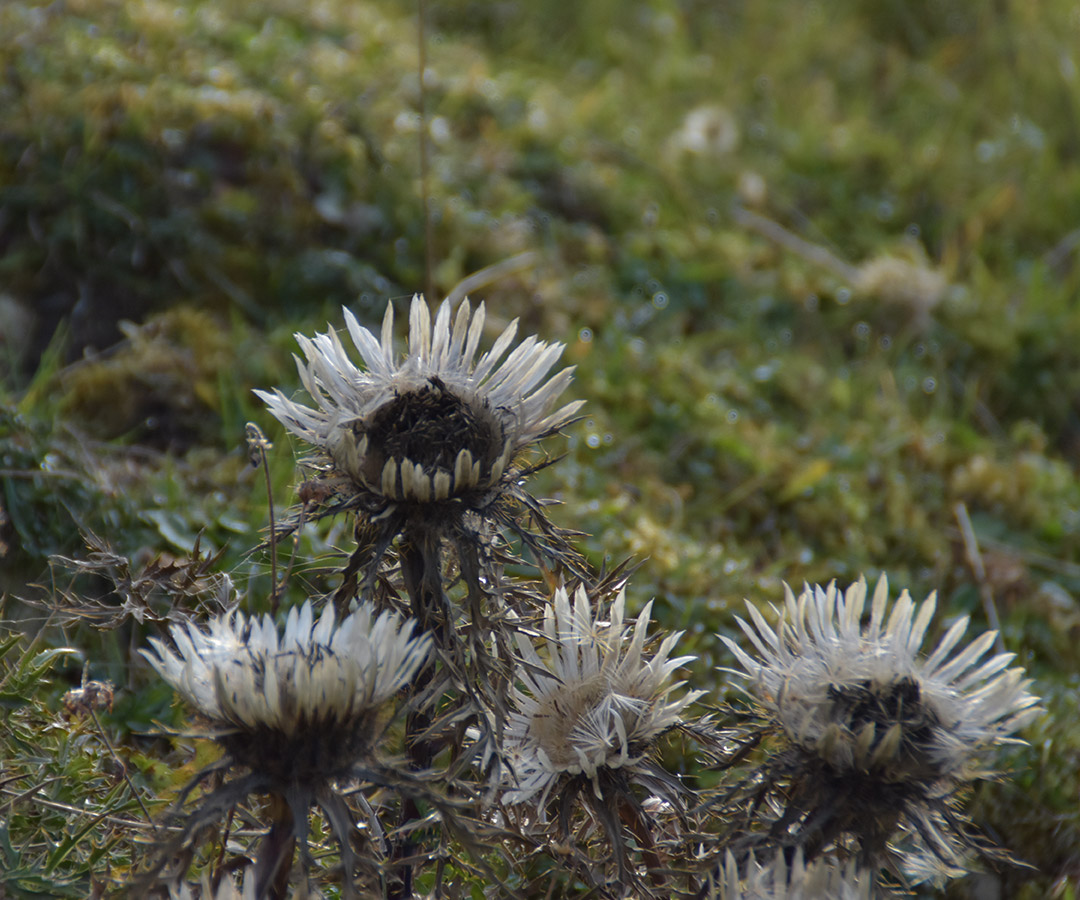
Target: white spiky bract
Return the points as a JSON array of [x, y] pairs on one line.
[[823, 879], [242, 675], [820, 656], [227, 889], [595, 700], [510, 398]]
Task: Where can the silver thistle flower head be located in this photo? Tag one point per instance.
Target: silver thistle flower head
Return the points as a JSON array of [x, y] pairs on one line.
[[826, 878], [438, 424], [864, 697], [595, 701], [301, 706]]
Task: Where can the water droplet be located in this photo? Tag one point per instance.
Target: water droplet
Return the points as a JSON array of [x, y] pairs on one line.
[[885, 342], [913, 230], [593, 440], [733, 416], [843, 296], [609, 438], [660, 300], [862, 330], [585, 335], [811, 303], [929, 385], [730, 566], [806, 556]]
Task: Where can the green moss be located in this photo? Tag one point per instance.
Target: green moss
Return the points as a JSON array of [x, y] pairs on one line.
[[221, 174]]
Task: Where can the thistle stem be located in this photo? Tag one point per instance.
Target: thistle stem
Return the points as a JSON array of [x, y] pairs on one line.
[[276, 854], [420, 554]]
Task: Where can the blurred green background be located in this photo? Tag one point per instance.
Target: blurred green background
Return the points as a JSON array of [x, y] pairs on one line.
[[816, 264]]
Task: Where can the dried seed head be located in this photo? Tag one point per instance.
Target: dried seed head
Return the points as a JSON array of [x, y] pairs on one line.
[[437, 425]]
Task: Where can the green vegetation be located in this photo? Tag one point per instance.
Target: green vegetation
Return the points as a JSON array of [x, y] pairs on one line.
[[183, 184]]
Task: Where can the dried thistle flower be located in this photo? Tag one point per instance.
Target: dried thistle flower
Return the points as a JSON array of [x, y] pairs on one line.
[[825, 878], [435, 436], [878, 736], [586, 717], [298, 711]]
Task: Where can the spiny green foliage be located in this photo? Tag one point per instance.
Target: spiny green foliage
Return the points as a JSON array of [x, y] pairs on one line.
[[66, 815], [753, 416]]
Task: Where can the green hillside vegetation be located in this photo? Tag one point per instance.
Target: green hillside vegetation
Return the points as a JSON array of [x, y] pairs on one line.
[[817, 265]]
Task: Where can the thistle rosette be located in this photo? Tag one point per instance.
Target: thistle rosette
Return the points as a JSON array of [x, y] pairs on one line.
[[436, 426], [302, 705], [593, 704], [879, 736], [300, 711], [430, 449]]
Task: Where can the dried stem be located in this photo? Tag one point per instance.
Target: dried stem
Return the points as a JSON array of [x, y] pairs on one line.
[[974, 558]]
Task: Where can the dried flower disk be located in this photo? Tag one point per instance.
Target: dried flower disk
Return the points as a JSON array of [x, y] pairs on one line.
[[879, 736], [597, 702], [433, 426], [300, 712], [300, 707]]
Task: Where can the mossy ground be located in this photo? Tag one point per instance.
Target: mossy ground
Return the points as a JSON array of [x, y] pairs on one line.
[[223, 173]]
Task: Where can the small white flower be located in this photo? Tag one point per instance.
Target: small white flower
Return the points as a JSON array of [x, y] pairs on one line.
[[823, 879], [864, 697], [595, 701], [311, 693], [436, 425]]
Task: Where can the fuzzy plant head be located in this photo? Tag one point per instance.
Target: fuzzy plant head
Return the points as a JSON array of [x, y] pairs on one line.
[[429, 445], [866, 715], [297, 712], [436, 426], [298, 706], [592, 699]]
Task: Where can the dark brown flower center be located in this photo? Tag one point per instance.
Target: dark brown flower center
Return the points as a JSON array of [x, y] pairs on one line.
[[315, 752], [431, 426]]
